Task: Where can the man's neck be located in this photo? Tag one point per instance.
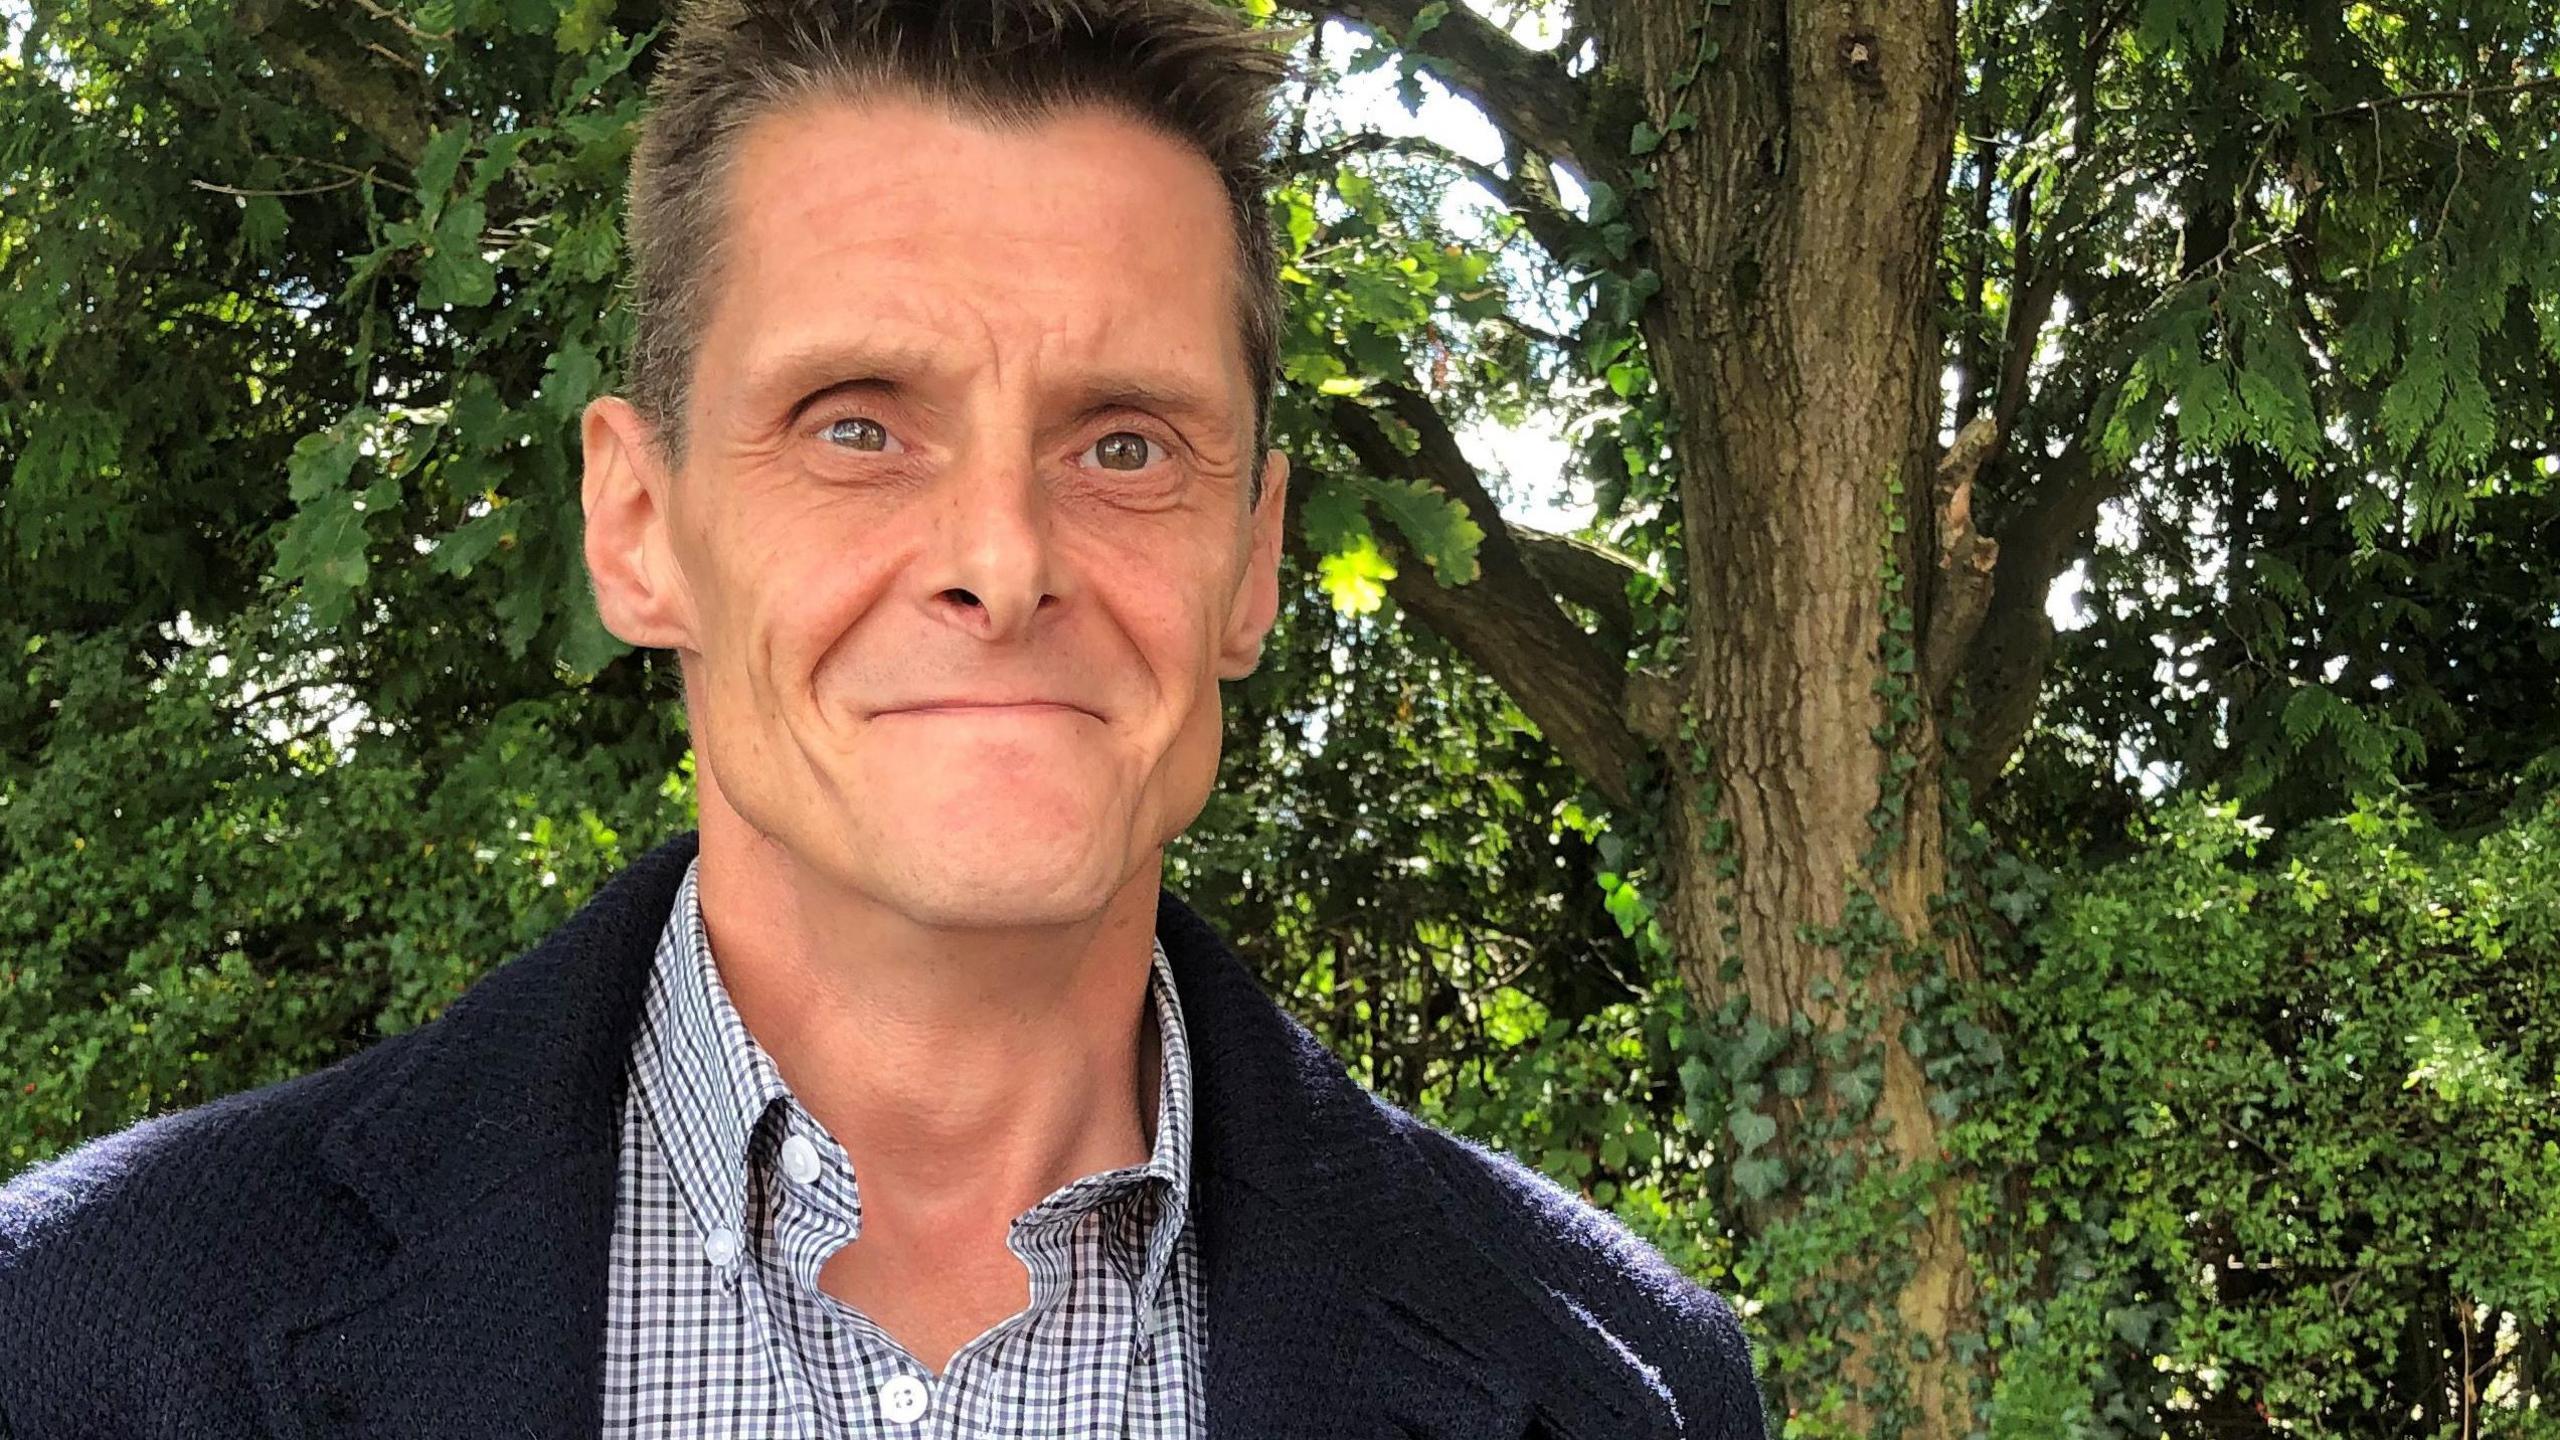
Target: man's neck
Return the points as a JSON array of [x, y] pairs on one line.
[[966, 1073]]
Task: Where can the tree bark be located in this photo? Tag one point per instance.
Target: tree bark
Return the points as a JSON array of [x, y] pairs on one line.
[[1795, 227], [1797, 158]]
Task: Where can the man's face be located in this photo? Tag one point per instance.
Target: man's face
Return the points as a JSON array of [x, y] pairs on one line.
[[961, 543]]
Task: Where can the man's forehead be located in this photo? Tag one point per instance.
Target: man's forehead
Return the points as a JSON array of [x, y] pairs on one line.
[[873, 172], [902, 242]]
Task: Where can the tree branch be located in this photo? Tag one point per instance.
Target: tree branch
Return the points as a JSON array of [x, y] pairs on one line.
[[1538, 206], [2420, 97], [1585, 572], [1506, 620], [1526, 92], [1966, 558], [342, 72], [2005, 666]]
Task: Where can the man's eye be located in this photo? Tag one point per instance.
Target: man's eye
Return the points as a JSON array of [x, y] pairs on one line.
[[1121, 450], [857, 432]]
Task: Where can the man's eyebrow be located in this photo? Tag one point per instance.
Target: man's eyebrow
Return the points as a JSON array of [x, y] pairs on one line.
[[798, 372], [1157, 395]]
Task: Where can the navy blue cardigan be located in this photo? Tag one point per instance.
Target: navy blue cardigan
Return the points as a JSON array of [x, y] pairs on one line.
[[413, 1242]]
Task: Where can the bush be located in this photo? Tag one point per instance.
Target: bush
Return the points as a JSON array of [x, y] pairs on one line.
[[2283, 1128]]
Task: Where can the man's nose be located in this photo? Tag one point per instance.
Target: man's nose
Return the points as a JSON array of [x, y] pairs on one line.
[[990, 569]]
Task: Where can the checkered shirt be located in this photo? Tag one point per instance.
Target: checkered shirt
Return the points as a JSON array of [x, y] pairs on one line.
[[731, 1197]]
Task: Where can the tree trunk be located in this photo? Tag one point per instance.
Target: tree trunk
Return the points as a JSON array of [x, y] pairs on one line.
[[1795, 225]]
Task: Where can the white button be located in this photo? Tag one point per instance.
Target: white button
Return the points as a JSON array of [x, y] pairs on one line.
[[800, 1160], [903, 1399], [722, 1248]]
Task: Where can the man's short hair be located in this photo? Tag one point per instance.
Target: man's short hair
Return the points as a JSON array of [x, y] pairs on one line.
[[1199, 74]]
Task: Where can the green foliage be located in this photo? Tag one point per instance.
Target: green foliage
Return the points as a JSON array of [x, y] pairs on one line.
[[194, 906], [310, 718], [2284, 1130], [2307, 307], [1374, 787]]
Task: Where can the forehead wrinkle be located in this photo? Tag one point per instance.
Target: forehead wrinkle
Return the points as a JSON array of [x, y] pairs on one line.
[[955, 267]]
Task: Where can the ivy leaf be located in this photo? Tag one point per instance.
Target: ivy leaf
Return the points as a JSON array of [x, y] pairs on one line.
[[1644, 140], [1751, 1129], [1626, 905], [1759, 1177], [1854, 1088]]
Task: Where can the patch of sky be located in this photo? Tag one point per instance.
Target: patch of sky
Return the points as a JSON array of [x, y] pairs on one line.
[[1528, 466]]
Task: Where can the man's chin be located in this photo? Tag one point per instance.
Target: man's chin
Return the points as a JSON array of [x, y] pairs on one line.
[[985, 890]]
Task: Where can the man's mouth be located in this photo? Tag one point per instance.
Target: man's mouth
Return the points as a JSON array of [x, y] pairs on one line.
[[971, 708]]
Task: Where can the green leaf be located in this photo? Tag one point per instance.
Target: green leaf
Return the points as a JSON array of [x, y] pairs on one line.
[[1759, 1177], [1644, 140], [262, 225], [323, 551], [1436, 526], [1356, 576], [589, 249], [522, 609], [1751, 1129], [437, 163], [452, 271], [583, 26], [569, 379], [1334, 517], [474, 540], [586, 647], [1626, 905], [322, 461], [2415, 395], [1298, 221]]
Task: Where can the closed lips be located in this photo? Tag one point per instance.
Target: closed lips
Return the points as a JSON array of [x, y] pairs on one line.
[[988, 707]]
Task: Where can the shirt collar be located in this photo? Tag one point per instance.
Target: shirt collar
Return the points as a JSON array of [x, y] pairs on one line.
[[707, 1085], [703, 1079]]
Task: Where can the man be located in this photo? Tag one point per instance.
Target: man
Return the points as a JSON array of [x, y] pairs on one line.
[[904, 1103]]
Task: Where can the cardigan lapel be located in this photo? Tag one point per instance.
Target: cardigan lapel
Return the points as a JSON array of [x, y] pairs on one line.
[[1346, 1297], [474, 1303]]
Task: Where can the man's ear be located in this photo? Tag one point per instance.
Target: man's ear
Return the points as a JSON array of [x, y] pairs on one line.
[[1257, 602], [640, 593]]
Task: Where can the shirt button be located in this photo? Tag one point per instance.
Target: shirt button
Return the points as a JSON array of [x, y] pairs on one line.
[[903, 1399], [800, 1160], [721, 1249]]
